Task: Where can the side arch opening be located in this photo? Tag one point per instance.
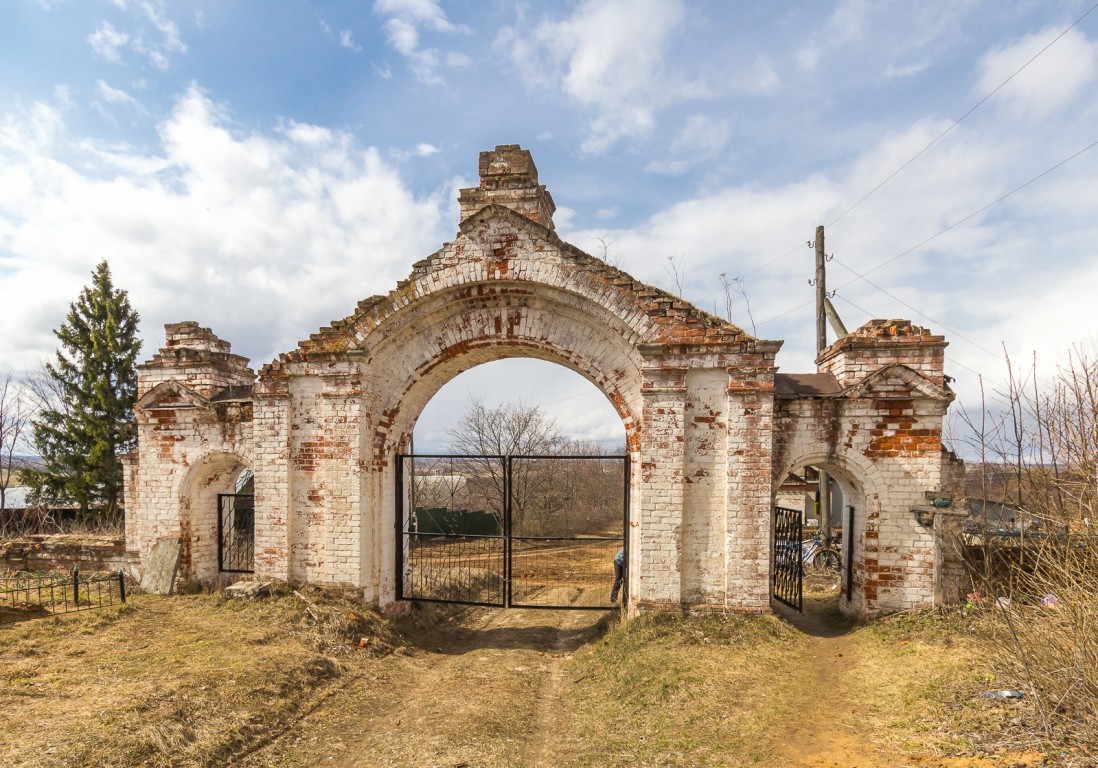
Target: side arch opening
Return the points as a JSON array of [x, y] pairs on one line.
[[836, 503], [217, 519]]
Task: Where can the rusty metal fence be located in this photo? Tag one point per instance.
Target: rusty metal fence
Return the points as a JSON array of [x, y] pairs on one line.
[[28, 596]]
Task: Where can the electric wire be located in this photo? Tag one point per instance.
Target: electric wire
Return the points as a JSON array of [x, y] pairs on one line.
[[957, 122], [972, 215], [918, 154], [914, 248], [952, 360], [894, 297]]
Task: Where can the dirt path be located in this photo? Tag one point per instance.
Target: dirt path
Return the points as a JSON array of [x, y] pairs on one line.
[[488, 693], [823, 733], [492, 688], [455, 704]]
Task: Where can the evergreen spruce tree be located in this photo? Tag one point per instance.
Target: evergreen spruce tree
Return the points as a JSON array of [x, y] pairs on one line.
[[81, 437]]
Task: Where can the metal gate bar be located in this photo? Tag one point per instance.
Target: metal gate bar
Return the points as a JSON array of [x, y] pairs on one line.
[[438, 558], [516, 564], [788, 570], [235, 532], [849, 557]]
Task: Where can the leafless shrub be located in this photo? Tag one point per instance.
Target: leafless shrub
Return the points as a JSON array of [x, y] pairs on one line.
[[40, 520], [676, 268], [1038, 575], [735, 285]]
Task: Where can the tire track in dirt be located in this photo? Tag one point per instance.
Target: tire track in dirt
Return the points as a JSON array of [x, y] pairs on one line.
[[543, 734], [485, 694]]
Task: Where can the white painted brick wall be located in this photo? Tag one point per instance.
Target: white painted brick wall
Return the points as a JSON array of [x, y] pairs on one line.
[[708, 441]]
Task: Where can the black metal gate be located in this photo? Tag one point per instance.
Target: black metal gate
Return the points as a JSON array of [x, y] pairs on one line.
[[235, 532], [510, 531], [787, 570]]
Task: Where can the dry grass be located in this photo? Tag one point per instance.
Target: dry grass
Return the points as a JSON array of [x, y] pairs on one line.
[[180, 682], [203, 681], [1041, 623], [753, 690], [664, 690]]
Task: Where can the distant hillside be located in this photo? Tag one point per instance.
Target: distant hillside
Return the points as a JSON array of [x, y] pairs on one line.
[[20, 461]]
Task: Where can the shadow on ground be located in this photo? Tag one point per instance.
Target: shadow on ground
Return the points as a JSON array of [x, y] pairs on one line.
[[456, 631], [821, 616]]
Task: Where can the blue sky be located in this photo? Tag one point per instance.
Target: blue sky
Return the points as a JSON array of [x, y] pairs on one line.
[[262, 166]]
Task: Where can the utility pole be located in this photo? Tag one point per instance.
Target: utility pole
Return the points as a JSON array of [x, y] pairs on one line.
[[821, 344], [821, 292]]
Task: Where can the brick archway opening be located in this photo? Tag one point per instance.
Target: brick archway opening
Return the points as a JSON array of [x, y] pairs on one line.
[[853, 510], [214, 474], [394, 436], [513, 512]]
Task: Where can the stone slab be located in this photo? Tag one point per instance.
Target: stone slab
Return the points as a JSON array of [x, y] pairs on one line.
[[163, 565], [248, 590]]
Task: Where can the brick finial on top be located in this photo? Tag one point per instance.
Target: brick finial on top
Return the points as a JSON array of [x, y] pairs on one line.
[[881, 343], [508, 177], [196, 358], [190, 335]]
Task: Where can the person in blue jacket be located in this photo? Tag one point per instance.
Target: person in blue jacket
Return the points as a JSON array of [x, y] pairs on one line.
[[619, 575]]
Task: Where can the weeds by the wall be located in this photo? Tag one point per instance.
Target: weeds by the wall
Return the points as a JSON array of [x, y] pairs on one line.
[[1037, 577]]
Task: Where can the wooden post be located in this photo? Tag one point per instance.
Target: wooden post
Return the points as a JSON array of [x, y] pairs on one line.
[[821, 345], [821, 292]]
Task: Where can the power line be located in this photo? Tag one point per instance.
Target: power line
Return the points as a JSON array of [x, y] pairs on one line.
[[961, 221], [952, 360], [913, 309], [938, 234], [957, 122], [940, 136]]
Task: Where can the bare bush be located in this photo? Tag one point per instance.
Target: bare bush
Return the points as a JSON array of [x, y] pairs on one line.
[[1038, 446], [15, 416]]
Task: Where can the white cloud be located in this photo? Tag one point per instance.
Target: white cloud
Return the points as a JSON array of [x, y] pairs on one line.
[[457, 60], [844, 26], [425, 12], [262, 237], [897, 39], [759, 79], [309, 135], [108, 96], [422, 149], [403, 21], [107, 41], [701, 138], [979, 282], [403, 36], [347, 40], [608, 57], [1050, 83], [170, 40], [156, 44], [897, 71], [114, 95]]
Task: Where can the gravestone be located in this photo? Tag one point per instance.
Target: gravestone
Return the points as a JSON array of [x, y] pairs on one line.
[[162, 566]]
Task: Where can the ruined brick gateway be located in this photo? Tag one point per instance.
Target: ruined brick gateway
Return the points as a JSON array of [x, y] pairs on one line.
[[712, 427]]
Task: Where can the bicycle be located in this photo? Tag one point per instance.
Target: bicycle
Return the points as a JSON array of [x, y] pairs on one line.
[[820, 554]]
